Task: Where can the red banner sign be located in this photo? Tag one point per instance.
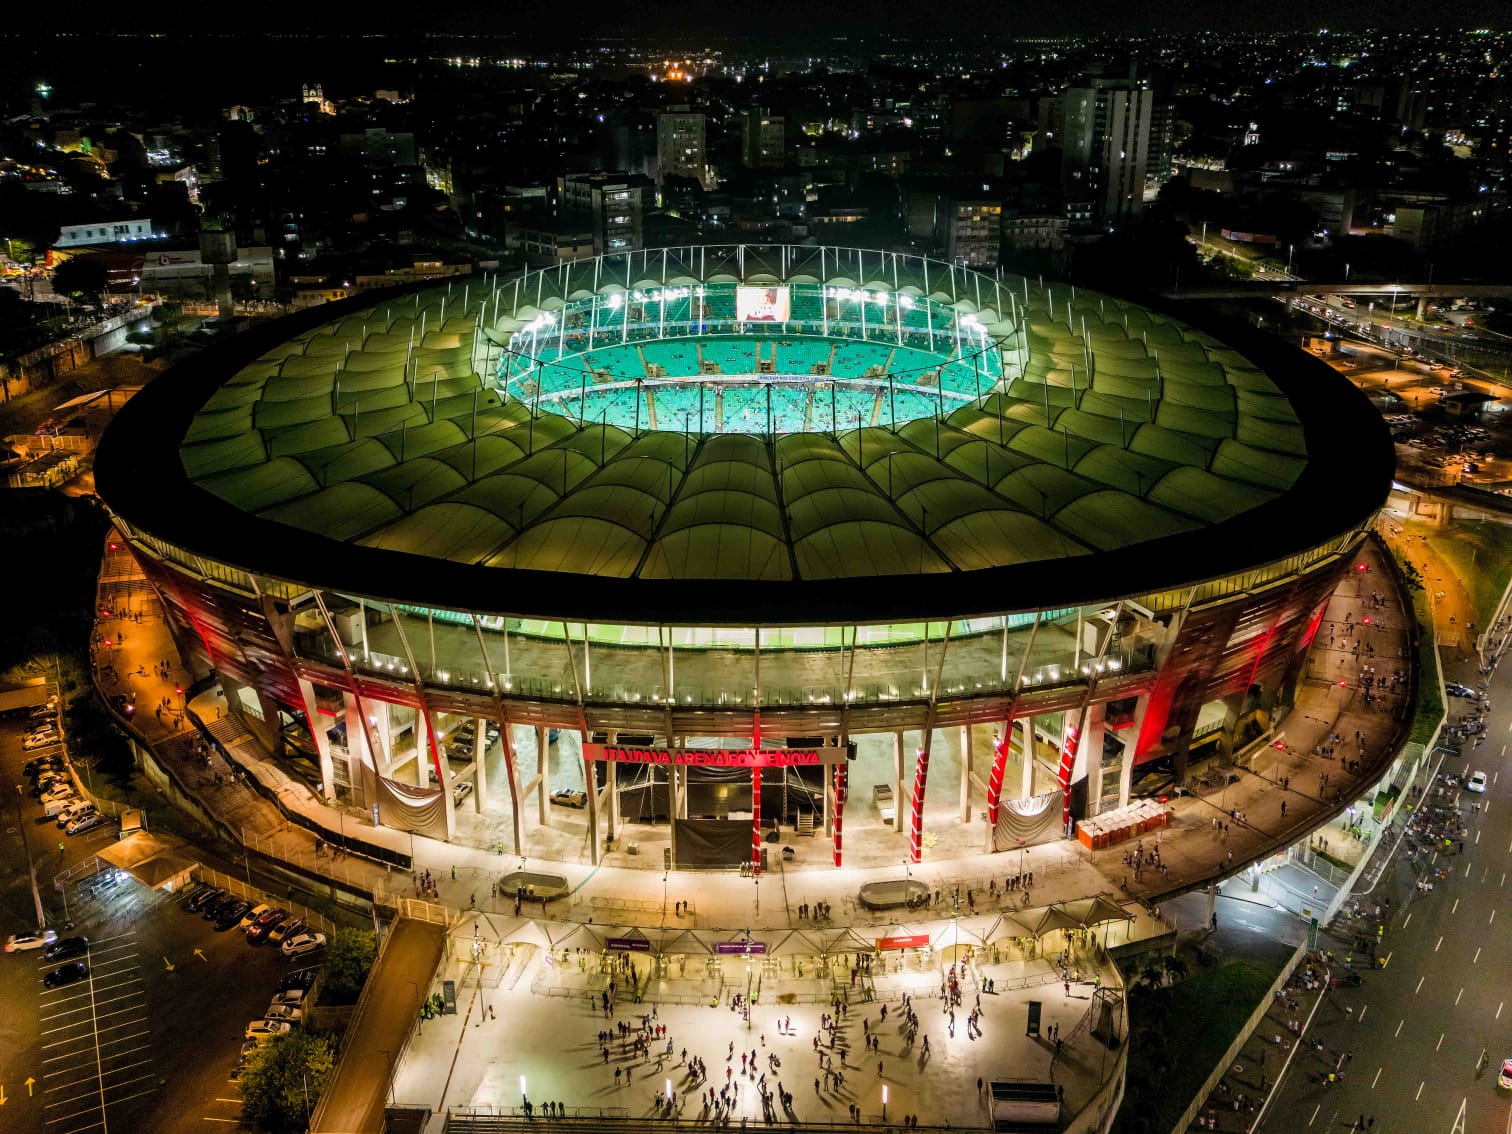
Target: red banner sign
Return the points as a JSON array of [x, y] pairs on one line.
[[715, 757], [914, 941]]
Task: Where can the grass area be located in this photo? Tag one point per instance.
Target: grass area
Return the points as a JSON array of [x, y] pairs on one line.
[[1428, 712], [1163, 1078], [1480, 553]]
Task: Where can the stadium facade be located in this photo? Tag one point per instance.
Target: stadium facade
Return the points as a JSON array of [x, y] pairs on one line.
[[696, 538]]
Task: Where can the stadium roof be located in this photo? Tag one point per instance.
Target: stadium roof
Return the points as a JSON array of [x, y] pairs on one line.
[[310, 451]]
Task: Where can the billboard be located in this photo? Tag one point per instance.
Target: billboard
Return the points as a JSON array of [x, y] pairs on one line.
[[761, 304]]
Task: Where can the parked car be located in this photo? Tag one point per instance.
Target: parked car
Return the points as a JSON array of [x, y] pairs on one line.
[[289, 1012], [254, 913], [1455, 689], [66, 947], [57, 805], [302, 943], [86, 823], [68, 974], [220, 905], [39, 764], [263, 926], [295, 996], [267, 1029], [32, 743], [20, 942], [231, 915], [285, 928], [76, 810], [202, 897]]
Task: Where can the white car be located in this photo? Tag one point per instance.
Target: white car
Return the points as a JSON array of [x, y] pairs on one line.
[[34, 742], [267, 1029], [22, 941], [302, 943], [288, 1012], [86, 823], [291, 996], [1476, 782], [77, 809], [61, 790]]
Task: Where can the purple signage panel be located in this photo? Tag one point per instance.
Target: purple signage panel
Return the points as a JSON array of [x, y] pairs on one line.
[[741, 947], [628, 944]]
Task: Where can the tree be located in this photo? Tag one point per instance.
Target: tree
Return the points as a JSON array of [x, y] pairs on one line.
[[285, 1078], [81, 277], [349, 956]]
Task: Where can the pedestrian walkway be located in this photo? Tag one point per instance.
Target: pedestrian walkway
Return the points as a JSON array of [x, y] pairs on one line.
[[1342, 732], [1280, 1040]]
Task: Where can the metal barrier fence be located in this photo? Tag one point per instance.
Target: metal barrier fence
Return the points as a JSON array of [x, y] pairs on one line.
[[618, 1120]]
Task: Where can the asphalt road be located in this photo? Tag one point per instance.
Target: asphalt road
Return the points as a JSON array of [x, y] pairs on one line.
[[1420, 1042], [140, 1046]]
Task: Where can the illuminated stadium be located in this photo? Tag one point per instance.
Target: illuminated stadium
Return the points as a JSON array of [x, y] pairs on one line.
[[669, 549]]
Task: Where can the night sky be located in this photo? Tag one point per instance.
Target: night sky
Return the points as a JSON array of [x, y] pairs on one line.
[[766, 21]]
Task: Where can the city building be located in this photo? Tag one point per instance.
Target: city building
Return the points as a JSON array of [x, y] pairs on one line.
[[613, 205], [680, 145], [104, 232], [763, 139], [973, 232], [1105, 141], [737, 532]]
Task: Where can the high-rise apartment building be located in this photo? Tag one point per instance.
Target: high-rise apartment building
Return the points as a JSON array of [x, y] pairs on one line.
[[611, 204], [763, 139], [680, 144], [1105, 140]]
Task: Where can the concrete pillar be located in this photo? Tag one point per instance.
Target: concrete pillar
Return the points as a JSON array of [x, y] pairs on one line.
[[1130, 737], [1028, 749], [897, 785], [542, 757], [357, 737], [966, 753], [1422, 307], [674, 790], [383, 726], [422, 749], [317, 722], [611, 776], [1091, 753], [480, 761], [512, 776], [590, 792]]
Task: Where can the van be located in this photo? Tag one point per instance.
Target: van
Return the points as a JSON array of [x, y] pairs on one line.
[[55, 807]]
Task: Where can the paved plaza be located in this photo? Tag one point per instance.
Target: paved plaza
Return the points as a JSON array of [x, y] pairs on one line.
[[513, 997]]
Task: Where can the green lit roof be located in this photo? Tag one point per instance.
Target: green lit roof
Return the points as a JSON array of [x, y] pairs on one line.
[[386, 429]]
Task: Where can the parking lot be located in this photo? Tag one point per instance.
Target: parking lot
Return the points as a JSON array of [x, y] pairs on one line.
[[95, 1036], [149, 1040]]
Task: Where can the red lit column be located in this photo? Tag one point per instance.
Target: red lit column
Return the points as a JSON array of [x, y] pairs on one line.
[[1067, 766], [916, 827], [756, 820], [839, 807], [995, 780]]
